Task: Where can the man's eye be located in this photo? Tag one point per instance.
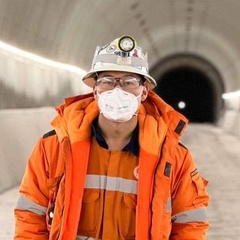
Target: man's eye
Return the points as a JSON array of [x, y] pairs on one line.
[[106, 82], [128, 83], [109, 82]]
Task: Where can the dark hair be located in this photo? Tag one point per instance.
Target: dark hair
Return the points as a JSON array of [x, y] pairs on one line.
[[143, 79]]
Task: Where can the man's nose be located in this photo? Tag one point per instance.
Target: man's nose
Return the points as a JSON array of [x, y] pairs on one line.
[[118, 83]]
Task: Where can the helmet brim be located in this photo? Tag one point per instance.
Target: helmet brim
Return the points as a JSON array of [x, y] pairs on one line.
[[90, 78]]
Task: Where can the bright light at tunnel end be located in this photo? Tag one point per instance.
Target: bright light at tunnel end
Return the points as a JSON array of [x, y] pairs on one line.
[[36, 58], [181, 105]]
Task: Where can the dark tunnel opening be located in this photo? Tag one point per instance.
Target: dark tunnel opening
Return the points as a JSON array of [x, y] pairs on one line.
[[190, 92], [190, 84]]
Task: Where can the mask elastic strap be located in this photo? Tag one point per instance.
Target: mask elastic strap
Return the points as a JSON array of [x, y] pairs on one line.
[[139, 95]]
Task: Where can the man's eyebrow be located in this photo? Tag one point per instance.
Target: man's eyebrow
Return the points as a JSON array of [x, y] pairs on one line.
[[106, 75]]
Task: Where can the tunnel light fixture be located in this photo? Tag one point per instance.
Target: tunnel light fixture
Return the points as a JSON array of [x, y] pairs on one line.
[[39, 59], [231, 95]]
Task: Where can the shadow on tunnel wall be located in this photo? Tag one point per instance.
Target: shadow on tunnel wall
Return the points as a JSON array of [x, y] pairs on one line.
[[11, 99]]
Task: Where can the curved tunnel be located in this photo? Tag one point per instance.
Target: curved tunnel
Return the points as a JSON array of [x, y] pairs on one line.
[[190, 85], [193, 49]]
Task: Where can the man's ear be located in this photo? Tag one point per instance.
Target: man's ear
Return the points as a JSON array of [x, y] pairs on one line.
[[144, 93], [95, 93]]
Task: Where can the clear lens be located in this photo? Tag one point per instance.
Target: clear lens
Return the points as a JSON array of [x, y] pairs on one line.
[[126, 83]]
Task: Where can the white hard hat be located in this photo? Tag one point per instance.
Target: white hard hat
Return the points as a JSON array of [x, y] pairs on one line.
[[122, 54]]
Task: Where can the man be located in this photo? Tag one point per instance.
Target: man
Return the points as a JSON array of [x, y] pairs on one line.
[[113, 167]]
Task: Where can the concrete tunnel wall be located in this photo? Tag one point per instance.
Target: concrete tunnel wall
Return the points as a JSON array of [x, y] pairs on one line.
[[20, 128], [19, 132], [26, 85]]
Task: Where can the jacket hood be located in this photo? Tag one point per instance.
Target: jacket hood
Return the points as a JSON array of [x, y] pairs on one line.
[[156, 106], [73, 115], [82, 109]]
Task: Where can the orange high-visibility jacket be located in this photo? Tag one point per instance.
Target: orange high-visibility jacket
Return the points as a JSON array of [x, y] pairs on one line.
[[171, 195]]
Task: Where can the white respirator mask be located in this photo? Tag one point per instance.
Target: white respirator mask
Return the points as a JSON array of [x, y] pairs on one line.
[[118, 105]]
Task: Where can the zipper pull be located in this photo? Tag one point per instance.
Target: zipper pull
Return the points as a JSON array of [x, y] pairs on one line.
[[51, 213]]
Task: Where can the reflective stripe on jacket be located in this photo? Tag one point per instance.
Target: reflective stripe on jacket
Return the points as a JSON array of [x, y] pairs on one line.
[[171, 200]]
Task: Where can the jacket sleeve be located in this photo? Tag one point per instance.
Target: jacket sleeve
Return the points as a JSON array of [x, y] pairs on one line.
[[30, 212], [189, 200]]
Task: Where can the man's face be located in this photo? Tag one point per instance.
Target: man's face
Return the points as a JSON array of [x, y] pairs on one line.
[[129, 82]]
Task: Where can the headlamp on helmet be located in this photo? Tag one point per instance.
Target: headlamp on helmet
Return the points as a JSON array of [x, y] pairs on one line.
[[121, 54], [126, 44]]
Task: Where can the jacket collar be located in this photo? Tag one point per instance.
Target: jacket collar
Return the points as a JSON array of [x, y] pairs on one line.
[[132, 146], [76, 108]]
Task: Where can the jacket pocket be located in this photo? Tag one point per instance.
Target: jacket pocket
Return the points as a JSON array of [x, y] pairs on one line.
[[201, 195], [90, 212], [127, 216]]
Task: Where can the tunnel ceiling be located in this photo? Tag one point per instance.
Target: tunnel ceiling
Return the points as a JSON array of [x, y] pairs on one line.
[[69, 30]]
